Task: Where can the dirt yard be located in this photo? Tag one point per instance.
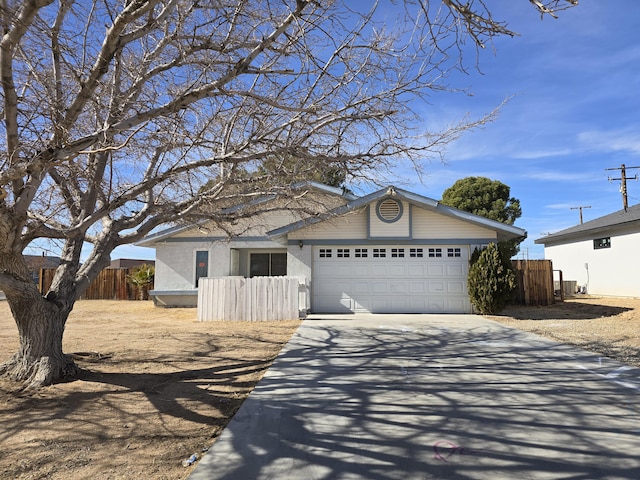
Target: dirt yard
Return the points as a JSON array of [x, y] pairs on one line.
[[159, 386], [604, 325]]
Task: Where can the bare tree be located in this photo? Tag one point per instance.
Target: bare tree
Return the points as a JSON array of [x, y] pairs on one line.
[[116, 113]]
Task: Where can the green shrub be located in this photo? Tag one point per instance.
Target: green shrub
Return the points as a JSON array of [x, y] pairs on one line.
[[492, 281], [142, 277]]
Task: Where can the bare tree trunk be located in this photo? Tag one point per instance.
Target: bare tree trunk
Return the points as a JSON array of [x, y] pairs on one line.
[[39, 360]]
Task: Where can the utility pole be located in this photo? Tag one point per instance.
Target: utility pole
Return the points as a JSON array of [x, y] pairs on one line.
[[580, 208], [623, 182]]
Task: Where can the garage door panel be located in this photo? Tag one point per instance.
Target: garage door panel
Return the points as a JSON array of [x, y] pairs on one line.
[[398, 287], [397, 271], [389, 284], [437, 306], [455, 287], [336, 288], [380, 305], [361, 286], [417, 305], [416, 270], [435, 270], [378, 270], [455, 269], [362, 270], [378, 286]]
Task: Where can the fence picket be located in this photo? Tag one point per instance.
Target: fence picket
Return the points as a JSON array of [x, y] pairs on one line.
[[110, 284], [251, 299], [535, 282]]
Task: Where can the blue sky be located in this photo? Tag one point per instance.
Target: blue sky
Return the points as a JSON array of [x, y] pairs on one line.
[[574, 112]]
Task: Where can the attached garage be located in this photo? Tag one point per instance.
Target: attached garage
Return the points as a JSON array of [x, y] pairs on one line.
[[390, 279]]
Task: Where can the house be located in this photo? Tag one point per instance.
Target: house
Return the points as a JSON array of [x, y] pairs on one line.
[[130, 263], [600, 255], [35, 263], [391, 251]]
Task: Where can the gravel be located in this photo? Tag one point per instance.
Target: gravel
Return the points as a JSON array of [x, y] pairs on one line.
[[608, 326]]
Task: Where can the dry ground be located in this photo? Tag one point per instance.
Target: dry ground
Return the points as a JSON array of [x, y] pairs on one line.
[[605, 325], [158, 386]]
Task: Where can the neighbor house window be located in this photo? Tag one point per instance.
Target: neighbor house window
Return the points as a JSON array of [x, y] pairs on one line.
[[268, 264], [202, 265], [599, 243]]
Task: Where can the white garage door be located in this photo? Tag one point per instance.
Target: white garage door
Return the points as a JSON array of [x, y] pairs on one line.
[[384, 279]]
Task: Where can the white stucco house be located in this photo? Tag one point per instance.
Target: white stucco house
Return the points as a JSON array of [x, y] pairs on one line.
[[602, 255], [391, 251]]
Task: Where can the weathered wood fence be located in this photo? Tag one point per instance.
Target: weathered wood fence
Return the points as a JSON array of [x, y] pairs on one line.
[[535, 282], [111, 284], [251, 299]]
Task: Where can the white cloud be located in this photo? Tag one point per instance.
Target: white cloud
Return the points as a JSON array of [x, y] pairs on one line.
[[624, 140], [537, 154]]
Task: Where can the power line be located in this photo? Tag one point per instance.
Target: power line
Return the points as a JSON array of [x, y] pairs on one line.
[[580, 208], [623, 182]]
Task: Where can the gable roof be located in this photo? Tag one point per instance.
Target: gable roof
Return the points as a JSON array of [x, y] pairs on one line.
[[621, 219], [504, 231], [152, 238]]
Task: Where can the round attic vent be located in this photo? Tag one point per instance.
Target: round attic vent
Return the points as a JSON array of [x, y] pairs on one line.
[[389, 210]]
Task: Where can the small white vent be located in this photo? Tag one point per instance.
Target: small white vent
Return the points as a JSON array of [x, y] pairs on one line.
[[389, 210]]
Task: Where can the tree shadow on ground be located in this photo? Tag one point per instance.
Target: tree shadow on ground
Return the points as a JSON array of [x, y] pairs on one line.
[[432, 402]]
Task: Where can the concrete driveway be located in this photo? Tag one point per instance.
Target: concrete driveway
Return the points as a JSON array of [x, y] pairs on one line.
[[431, 397]]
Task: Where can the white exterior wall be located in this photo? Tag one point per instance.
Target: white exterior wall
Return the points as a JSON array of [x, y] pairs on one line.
[[175, 261], [299, 265], [175, 265], [611, 271]]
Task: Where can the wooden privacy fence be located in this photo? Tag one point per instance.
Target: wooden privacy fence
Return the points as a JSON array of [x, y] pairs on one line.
[[535, 282], [111, 284], [252, 299]]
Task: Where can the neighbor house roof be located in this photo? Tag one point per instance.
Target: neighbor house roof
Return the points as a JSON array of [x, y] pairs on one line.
[[36, 262], [504, 231], [620, 220]]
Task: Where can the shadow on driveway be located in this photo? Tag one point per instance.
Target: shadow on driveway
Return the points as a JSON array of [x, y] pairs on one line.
[[432, 397]]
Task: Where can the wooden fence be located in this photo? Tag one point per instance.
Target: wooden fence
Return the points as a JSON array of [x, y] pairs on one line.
[[535, 282], [111, 284], [252, 299]]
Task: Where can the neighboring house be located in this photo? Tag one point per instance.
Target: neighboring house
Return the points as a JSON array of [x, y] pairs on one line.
[[37, 262], [130, 263], [388, 252], [601, 255]]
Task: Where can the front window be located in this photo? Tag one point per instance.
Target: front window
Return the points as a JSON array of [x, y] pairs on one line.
[[268, 264]]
